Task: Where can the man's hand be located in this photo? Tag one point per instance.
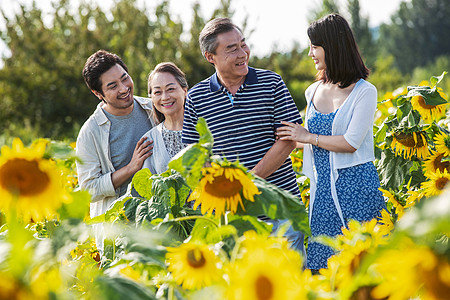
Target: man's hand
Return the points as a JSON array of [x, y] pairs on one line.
[[141, 152]]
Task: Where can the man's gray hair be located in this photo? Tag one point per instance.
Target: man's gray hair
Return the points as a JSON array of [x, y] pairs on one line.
[[208, 36]]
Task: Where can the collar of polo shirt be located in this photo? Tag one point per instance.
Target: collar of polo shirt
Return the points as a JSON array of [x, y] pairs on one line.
[[250, 78]]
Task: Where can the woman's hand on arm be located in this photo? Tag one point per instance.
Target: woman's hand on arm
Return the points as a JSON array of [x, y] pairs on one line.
[[299, 134]]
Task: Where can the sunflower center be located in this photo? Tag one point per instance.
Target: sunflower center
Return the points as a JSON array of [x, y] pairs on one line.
[[264, 288], [223, 187], [441, 183], [407, 139], [422, 103], [195, 258], [23, 177], [439, 164]]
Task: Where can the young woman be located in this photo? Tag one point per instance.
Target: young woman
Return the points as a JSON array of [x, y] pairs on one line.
[[337, 137], [167, 87]]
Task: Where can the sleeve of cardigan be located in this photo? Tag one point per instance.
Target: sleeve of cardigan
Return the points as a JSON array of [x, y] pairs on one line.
[[362, 116]]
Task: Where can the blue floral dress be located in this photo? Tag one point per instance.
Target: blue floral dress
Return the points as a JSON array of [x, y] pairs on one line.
[[356, 188]]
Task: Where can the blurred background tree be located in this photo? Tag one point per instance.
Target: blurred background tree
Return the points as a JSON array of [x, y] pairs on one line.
[[43, 93]]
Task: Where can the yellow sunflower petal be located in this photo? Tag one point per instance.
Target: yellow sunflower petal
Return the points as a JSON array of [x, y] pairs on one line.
[[30, 185]]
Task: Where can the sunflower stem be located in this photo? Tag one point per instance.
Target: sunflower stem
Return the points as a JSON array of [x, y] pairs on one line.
[[170, 293], [194, 218]]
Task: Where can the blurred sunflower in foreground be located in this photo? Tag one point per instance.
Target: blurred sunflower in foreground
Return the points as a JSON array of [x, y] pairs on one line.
[[265, 269], [30, 185], [222, 188]]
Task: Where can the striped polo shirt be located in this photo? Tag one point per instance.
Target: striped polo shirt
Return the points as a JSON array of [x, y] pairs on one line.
[[243, 125]]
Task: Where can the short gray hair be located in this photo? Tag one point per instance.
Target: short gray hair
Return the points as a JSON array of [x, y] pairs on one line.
[[209, 33]]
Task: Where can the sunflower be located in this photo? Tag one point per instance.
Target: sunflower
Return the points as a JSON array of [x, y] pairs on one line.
[[297, 159], [410, 271], [436, 184], [305, 194], [222, 188], [413, 197], [399, 209], [29, 184], [276, 245], [409, 144], [385, 223], [345, 270], [263, 274], [434, 162], [193, 265], [427, 111], [442, 142]]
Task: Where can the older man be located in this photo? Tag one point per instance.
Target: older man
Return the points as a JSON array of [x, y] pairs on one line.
[[241, 106]]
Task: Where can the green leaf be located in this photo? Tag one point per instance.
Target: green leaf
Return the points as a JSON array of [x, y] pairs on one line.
[[142, 183], [203, 228], [113, 213], [380, 136], [411, 119], [189, 163], [436, 79], [59, 150], [393, 169], [205, 134], [131, 207], [220, 234], [403, 112], [78, 208], [430, 95], [120, 288], [95, 220], [277, 204], [150, 210], [170, 188], [245, 223]]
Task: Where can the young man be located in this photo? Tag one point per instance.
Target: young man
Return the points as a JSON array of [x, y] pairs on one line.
[[109, 143], [241, 106]]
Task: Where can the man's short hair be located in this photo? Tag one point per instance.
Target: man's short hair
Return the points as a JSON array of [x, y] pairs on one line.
[[97, 64], [209, 33]]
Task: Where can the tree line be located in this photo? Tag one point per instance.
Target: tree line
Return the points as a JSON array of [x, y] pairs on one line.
[[43, 93]]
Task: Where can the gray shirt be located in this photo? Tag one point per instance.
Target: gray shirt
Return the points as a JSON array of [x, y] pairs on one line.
[[124, 134]]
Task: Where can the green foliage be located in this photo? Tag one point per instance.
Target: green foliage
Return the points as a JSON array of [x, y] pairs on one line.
[[324, 8], [415, 35], [193, 158], [120, 288], [277, 204], [397, 170]]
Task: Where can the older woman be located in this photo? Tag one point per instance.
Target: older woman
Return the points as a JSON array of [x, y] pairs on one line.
[[167, 87]]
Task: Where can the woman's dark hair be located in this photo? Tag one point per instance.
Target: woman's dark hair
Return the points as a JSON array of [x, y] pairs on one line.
[[343, 61], [165, 67], [97, 64]]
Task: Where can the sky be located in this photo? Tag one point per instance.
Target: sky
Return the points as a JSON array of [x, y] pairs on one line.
[[276, 24]]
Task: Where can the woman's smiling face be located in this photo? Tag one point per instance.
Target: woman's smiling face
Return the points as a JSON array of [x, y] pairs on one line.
[[167, 94]]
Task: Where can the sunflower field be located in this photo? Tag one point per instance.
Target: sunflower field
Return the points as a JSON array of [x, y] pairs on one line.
[[194, 232]]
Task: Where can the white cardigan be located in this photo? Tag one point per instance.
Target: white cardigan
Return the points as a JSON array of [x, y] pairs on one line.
[[353, 120], [157, 162]]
